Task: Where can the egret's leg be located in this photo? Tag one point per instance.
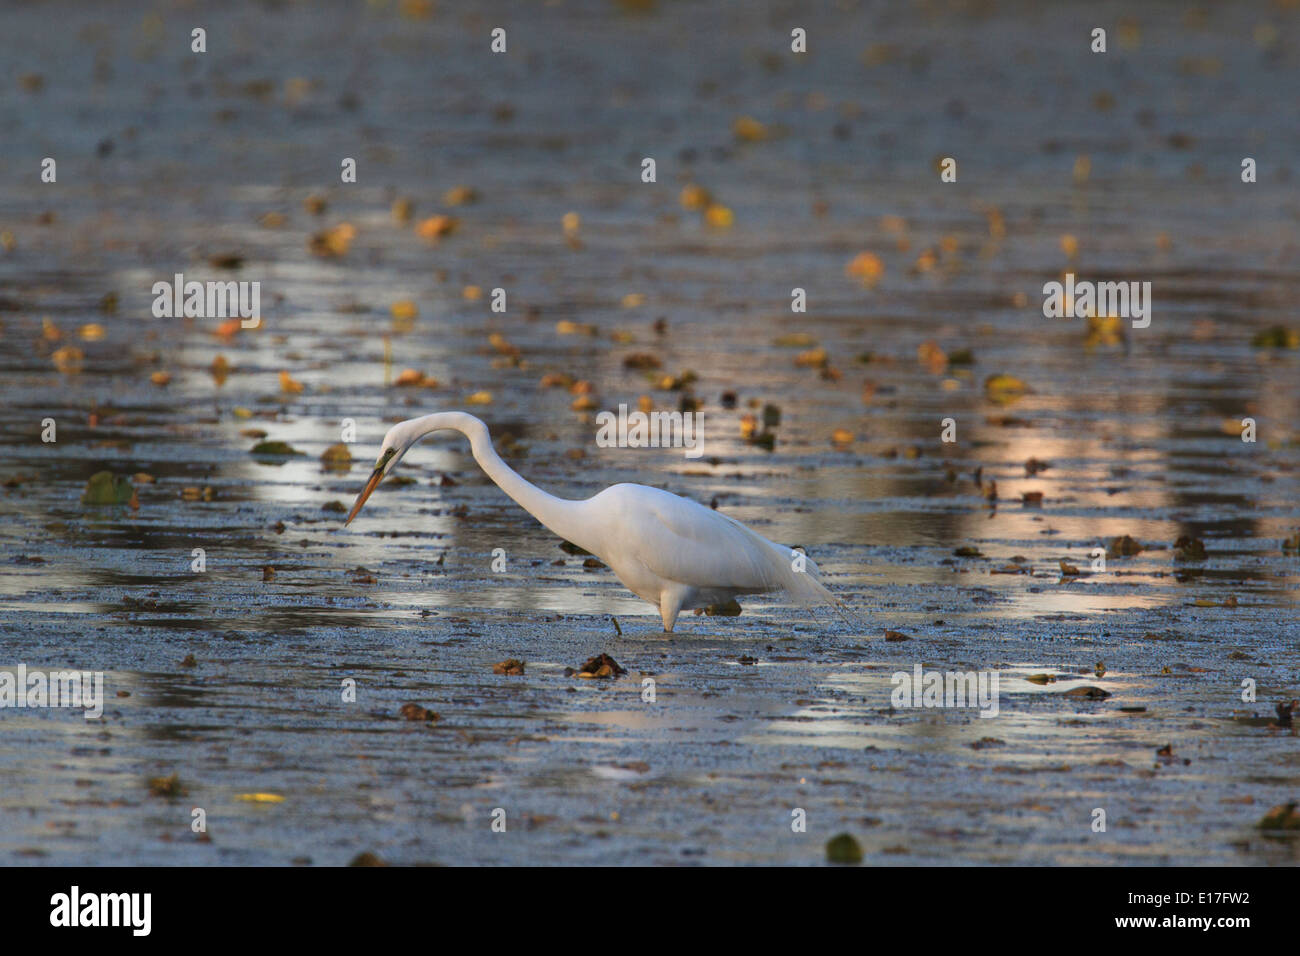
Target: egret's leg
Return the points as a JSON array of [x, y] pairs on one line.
[[670, 605]]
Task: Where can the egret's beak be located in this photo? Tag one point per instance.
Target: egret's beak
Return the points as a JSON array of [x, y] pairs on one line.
[[375, 477]]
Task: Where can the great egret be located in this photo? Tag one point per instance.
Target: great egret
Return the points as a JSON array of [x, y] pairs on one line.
[[672, 552]]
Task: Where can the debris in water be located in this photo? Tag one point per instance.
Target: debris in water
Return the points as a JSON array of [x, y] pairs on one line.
[[843, 849], [106, 488], [337, 458], [510, 667], [1277, 337], [728, 609], [1124, 547], [1005, 389], [416, 712], [1189, 549], [274, 449], [1283, 817], [600, 666], [172, 786]]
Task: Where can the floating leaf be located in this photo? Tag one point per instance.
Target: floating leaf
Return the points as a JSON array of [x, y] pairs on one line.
[[336, 457], [68, 359], [460, 196], [749, 130], [333, 242], [719, 216], [1124, 547], [288, 384], [1004, 389], [866, 267], [600, 666], [416, 712], [794, 340], [275, 448], [1282, 817], [843, 849], [695, 197], [1277, 337], [106, 488], [167, 786]]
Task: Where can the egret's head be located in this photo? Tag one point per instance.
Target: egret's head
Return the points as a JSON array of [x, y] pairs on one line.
[[396, 442]]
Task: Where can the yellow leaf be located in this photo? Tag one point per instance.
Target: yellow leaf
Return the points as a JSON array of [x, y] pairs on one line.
[[865, 266], [1004, 389], [749, 130], [435, 227], [695, 197], [718, 216], [68, 359]]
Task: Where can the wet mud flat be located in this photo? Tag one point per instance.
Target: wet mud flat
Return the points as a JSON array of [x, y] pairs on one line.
[[924, 304]]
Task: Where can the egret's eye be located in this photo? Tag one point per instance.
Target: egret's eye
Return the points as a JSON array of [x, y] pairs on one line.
[[384, 457]]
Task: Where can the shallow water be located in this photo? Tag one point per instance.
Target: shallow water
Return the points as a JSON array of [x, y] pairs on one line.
[[754, 716]]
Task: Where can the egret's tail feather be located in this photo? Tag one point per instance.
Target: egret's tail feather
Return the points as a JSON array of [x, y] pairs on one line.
[[806, 589]]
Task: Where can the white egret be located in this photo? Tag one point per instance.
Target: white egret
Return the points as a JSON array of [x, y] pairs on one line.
[[672, 552]]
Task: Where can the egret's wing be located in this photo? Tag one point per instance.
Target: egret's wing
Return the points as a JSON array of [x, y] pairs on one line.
[[683, 541]]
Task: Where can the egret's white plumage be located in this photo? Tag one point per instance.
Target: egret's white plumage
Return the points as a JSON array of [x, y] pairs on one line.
[[673, 552]]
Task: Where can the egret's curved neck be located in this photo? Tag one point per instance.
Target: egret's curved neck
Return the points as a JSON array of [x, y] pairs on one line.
[[560, 515]]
